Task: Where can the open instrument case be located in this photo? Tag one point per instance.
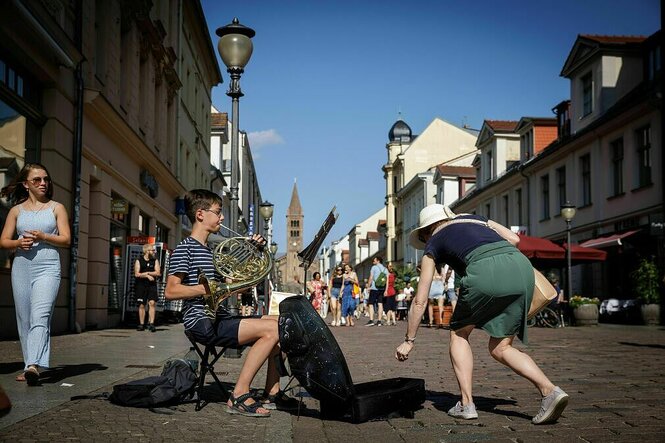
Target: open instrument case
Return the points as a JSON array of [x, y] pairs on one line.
[[317, 362]]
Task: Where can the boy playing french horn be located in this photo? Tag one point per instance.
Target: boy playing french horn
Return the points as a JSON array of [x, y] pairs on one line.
[[192, 255]]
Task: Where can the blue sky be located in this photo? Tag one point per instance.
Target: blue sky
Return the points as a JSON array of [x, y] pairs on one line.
[[327, 80]]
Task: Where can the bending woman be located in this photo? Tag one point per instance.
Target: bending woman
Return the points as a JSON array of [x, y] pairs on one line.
[[497, 283], [42, 227]]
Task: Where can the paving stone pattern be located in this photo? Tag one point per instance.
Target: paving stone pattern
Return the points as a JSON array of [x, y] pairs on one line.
[[613, 374]]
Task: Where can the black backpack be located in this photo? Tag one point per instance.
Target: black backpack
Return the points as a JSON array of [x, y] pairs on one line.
[[175, 385]]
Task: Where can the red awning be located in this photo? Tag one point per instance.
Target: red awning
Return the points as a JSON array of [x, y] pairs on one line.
[[536, 247], [541, 248], [581, 253], [606, 242]]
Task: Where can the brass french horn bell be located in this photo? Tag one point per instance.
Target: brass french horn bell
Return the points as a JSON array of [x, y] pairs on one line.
[[242, 263]]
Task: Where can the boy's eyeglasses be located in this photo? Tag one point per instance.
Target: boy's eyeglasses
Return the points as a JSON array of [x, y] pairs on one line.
[[218, 213], [37, 180]]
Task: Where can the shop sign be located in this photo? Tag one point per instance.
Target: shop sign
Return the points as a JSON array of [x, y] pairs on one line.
[[140, 240], [119, 206], [180, 206], [656, 225], [149, 183]]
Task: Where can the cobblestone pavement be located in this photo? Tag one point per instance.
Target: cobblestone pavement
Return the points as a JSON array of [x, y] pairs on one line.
[[613, 374]]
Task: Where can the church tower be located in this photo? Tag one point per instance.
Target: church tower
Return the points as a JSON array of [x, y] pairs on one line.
[[294, 239]]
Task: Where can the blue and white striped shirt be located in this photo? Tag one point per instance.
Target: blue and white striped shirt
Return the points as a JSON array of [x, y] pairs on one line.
[[187, 259]]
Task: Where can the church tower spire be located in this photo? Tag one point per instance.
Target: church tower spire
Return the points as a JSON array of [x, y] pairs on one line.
[[294, 237]]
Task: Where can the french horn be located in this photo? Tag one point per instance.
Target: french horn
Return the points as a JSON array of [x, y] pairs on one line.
[[242, 263]]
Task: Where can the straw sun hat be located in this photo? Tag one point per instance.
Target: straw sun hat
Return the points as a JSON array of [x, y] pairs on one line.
[[428, 216]]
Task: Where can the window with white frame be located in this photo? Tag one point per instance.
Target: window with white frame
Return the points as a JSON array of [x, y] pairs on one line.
[[587, 94], [545, 197], [518, 204], [616, 154], [585, 171], [561, 185], [643, 143]]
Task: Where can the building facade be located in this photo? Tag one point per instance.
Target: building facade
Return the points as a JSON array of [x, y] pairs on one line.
[[112, 97], [607, 160]]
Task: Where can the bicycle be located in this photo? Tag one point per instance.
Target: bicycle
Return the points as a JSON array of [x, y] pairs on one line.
[[547, 318]]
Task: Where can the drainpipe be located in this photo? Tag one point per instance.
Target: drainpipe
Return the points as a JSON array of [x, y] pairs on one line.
[[76, 179], [526, 197]]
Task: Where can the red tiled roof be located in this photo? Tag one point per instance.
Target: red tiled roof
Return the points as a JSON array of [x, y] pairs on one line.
[[460, 171], [219, 119], [502, 125], [614, 38]]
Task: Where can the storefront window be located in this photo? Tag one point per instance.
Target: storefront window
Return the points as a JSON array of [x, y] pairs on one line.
[[120, 228], [19, 134]]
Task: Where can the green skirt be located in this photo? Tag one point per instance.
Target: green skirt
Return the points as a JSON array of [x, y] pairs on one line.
[[496, 292]]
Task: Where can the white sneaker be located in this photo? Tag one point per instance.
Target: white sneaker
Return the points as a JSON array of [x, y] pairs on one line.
[[551, 407], [467, 412]]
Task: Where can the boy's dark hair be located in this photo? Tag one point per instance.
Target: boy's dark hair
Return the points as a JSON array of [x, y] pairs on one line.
[[200, 199], [379, 258]]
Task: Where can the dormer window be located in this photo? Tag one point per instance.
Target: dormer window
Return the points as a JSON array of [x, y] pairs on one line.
[[527, 145], [587, 94], [490, 166]]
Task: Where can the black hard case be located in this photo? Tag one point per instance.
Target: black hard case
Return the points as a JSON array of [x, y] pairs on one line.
[[316, 360]]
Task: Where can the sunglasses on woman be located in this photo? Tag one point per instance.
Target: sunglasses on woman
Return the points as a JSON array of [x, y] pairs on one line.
[[37, 180]]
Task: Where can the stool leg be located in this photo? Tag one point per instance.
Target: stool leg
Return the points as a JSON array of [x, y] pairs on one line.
[[204, 369]]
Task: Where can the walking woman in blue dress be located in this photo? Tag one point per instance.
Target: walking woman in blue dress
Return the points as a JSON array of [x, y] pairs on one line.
[[42, 226], [496, 288]]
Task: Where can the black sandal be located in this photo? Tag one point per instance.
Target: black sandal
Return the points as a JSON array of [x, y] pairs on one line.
[[248, 410], [31, 376]]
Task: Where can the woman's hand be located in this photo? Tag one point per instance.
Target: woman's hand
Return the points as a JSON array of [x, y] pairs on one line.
[[36, 234], [402, 351], [25, 242]]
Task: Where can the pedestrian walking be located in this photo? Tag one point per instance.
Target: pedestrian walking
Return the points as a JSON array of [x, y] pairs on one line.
[[376, 290], [146, 273], [335, 286], [315, 289], [497, 283], [349, 300], [436, 295], [42, 226], [389, 299]]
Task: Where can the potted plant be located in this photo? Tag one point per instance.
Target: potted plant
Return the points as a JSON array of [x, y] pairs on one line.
[[645, 285], [585, 310]]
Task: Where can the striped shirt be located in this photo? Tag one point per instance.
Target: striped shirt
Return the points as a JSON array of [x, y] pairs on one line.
[[187, 259]]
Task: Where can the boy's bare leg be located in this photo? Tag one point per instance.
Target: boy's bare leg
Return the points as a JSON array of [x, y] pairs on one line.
[[264, 335]]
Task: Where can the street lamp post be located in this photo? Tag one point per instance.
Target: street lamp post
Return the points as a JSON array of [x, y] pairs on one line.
[[266, 210], [235, 47], [568, 213]]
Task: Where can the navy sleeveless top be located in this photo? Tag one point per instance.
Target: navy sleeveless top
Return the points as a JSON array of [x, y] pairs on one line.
[[453, 243]]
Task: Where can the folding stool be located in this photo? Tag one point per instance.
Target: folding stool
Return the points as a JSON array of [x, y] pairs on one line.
[[208, 357]]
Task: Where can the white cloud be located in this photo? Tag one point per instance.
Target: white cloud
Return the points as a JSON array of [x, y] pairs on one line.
[[268, 137]]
